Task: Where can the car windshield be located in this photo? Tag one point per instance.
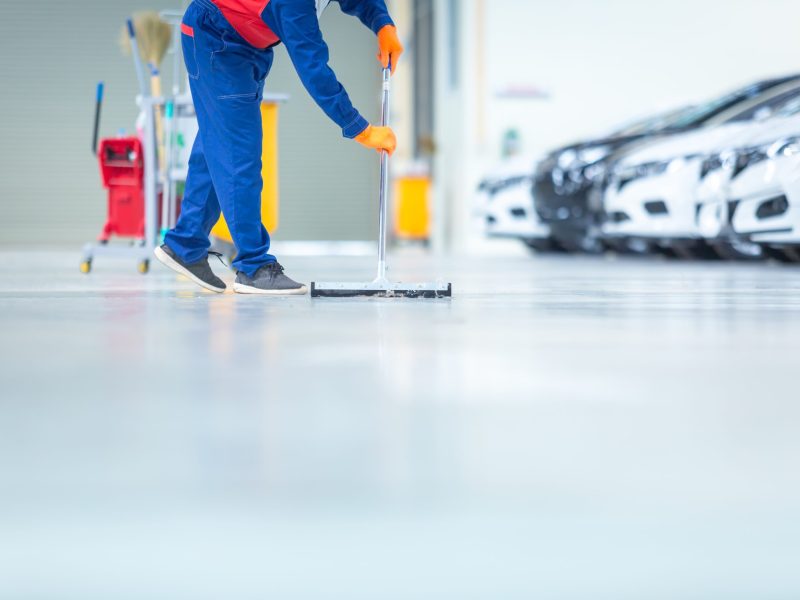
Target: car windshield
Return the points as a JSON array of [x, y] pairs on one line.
[[703, 112], [790, 109], [652, 123], [770, 107]]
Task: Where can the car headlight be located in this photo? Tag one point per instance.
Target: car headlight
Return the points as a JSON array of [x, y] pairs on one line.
[[785, 147], [593, 154], [710, 164], [566, 159], [791, 149], [715, 162], [629, 174], [573, 170], [575, 162], [596, 171], [748, 157]]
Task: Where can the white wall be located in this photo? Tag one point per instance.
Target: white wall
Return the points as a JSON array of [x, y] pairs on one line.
[[605, 61]]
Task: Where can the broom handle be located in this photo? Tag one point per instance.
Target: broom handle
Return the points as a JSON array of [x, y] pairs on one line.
[[97, 110], [384, 194], [176, 61], [155, 89], [137, 58], [167, 210]]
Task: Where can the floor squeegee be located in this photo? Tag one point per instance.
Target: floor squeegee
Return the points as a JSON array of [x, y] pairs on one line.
[[382, 287]]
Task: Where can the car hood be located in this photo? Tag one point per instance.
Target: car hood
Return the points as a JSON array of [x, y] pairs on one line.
[[614, 142], [702, 141], [771, 131]]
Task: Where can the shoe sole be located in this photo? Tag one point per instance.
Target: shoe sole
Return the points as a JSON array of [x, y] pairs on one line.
[[166, 260], [240, 288]]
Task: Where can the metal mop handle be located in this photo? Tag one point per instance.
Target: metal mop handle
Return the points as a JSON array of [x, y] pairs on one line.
[[387, 88]]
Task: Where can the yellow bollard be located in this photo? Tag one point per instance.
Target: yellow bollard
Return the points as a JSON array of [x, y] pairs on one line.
[[270, 207]]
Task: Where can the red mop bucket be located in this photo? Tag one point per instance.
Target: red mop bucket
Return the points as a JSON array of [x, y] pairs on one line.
[[122, 171]]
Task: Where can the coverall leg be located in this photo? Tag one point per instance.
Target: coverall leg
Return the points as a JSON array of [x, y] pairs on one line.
[[226, 77]]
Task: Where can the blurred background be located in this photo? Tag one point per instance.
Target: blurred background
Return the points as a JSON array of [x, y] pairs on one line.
[[476, 73], [606, 409]]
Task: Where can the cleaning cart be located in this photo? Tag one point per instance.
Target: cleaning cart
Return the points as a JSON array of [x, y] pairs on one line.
[[129, 168], [131, 174]]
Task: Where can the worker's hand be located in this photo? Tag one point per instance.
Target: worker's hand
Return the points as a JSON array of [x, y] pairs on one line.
[[390, 47], [378, 138]]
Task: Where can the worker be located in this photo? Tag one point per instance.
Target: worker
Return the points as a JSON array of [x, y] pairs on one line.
[[228, 51]]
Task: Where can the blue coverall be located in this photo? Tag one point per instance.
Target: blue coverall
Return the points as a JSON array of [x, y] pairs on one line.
[[226, 77]]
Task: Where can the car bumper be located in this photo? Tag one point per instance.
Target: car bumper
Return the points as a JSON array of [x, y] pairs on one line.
[[659, 207], [510, 213], [753, 206], [757, 219]]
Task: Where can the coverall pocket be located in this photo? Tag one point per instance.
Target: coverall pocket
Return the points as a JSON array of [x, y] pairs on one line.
[[189, 51], [233, 69]]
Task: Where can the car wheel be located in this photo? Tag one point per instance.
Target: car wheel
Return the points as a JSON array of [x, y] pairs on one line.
[[630, 246], [569, 246], [784, 254], [578, 240], [740, 251], [616, 246], [543, 245], [587, 245], [666, 252]]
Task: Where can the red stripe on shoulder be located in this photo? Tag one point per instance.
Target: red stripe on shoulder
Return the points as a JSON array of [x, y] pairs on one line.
[[186, 30]]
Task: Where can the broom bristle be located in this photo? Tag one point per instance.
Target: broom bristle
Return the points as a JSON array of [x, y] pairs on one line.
[[153, 35]]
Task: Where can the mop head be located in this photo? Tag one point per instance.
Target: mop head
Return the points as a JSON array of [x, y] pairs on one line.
[[382, 290], [153, 35]]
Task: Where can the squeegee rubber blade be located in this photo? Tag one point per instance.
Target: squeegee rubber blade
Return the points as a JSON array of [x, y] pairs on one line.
[[426, 293]]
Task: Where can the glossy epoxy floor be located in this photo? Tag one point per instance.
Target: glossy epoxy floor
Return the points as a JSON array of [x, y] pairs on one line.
[[562, 429]]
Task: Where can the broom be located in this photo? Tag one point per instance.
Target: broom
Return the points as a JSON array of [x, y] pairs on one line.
[[154, 37]]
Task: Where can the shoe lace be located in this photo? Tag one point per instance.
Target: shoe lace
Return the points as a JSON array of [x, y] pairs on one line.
[[275, 267], [219, 256]]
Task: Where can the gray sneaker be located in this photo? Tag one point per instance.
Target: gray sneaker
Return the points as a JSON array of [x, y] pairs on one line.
[[269, 280], [199, 272]]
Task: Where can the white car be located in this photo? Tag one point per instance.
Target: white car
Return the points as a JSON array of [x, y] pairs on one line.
[[651, 194], [753, 199], [506, 208]]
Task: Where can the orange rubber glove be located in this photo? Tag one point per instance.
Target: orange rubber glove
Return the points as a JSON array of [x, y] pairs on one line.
[[378, 138], [390, 47]]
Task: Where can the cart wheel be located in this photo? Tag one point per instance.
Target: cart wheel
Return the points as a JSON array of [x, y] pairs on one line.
[[144, 267], [86, 267]]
